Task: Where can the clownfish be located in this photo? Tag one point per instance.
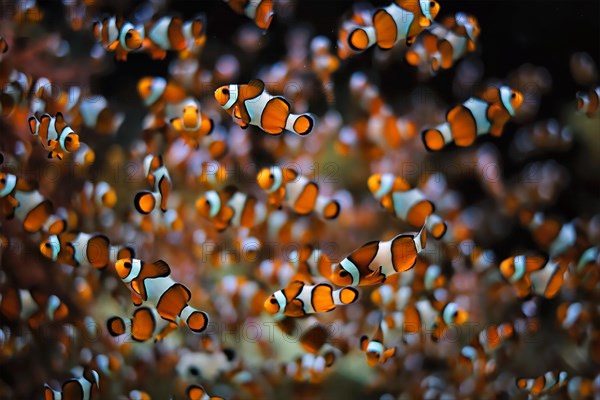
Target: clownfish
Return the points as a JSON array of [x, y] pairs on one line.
[[410, 205], [212, 173], [298, 299], [94, 113], [242, 293], [231, 207], [197, 392], [587, 269], [145, 324], [251, 104], [549, 233], [589, 103], [311, 261], [475, 117], [260, 11], [153, 283], [32, 306], [490, 339], [532, 274], [79, 249], [324, 64], [276, 272], [310, 367], [581, 388], [20, 200], [156, 90], [375, 349], [76, 388], [297, 191], [172, 33], [402, 19], [549, 383], [119, 36], [574, 318], [138, 395], [94, 197], [371, 263], [193, 124], [421, 316], [55, 135], [158, 176], [360, 17]]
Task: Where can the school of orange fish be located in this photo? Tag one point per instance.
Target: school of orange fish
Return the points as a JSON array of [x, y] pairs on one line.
[[231, 242]]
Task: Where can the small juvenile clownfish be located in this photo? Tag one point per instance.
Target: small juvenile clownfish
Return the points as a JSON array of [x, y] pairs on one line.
[[402, 19], [193, 124], [298, 299], [197, 392], [297, 191], [145, 324], [375, 349], [251, 104], [371, 263], [80, 388], [172, 33], [421, 316], [517, 270], [156, 90], [95, 197], [93, 112], [312, 262], [475, 117], [549, 233], [119, 36], [550, 382], [589, 103], [548, 281], [158, 176], [410, 205], [80, 249], [260, 11], [32, 306], [55, 135], [231, 207], [153, 283], [19, 199]]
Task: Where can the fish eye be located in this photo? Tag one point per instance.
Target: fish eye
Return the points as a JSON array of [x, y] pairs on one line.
[[514, 95], [127, 265], [226, 91], [343, 274], [271, 176], [3, 181], [194, 371], [128, 35], [207, 202], [432, 4], [273, 301], [68, 139], [47, 245]]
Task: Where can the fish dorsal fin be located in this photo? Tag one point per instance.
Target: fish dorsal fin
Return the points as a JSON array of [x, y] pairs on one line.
[[161, 268], [255, 87], [293, 290]]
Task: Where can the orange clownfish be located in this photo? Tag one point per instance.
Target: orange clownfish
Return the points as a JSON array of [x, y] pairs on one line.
[[153, 283], [197, 392], [360, 18], [95, 197], [231, 207], [19, 199], [475, 117], [532, 274], [156, 90], [410, 205], [172, 33], [119, 36], [312, 262], [375, 349], [546, 384], [589, 103], [298, 299], [403, 19], [145, 324], [193, 124], [76, 388], [32, 306], [301, 194], [158, 176], [251, 104], [94, 113], [55, 135], [242, 293], [80, 249], [371, 263], [260, 11]]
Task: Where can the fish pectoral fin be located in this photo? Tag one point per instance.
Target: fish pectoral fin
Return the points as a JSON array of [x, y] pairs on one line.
[[364, 342], [295, 308]]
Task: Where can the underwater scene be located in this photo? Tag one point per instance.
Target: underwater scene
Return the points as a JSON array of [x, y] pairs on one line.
[[299, 199]]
